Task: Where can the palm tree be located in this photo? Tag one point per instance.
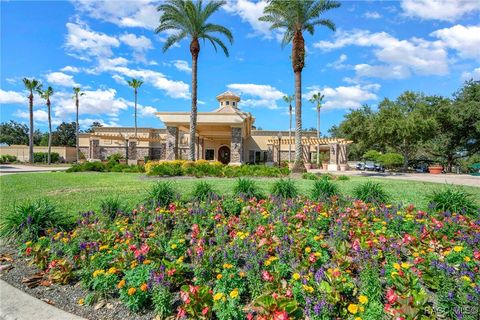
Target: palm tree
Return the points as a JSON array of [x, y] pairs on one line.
[[317, 98], [76, 95], [135, 84], [294, 17], [189, 19], [31, 85], [288, 100], [46, 94]]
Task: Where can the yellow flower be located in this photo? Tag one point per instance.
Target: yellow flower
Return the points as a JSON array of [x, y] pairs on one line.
[[180, 260], [358, 318], [405, 265], [363, 299], [121, 284], [457, 248], [144, 287], [234, 293], [104, 247], [81, 302], [131, 291], [466, 278], [242, 274], [308, 288], [219, 276], [396, 266], [467, 259], [217, 296], [112, 270], [28, 243], [133, 264], [296, 276], [415, 254], [227, 265], [352, 308], [308, 249], [96, 273], [173, 246]]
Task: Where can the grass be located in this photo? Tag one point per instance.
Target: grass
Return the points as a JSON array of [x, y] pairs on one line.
[[82, 191]]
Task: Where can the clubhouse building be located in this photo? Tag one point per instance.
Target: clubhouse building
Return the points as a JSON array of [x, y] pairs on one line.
[[226, 134]]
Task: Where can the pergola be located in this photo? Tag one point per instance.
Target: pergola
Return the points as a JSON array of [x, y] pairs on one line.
[[337, 148]]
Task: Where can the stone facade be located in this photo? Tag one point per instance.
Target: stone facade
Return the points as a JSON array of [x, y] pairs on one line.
[[172, 143], [132, 150], [236, 148]]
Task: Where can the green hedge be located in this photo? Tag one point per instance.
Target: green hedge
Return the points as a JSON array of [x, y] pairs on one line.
[[43, 157], [102, 167], [6, 158]]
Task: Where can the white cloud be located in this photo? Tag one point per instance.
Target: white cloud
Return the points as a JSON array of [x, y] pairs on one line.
[[464, 39], [140, 45], [70, 69], [119, 79], [345, 97], [249, 12], [38, 115], [382, 71], [445, 10], [339, 63], [372, 15], [12, 97], [138, 13], [147, 111], [410, 56], [61, 79], [84, 43], [87, 122], [181, 65], [258, 95], [475, 75]]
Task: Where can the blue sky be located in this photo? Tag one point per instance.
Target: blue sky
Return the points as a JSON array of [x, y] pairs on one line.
[[380, 49]]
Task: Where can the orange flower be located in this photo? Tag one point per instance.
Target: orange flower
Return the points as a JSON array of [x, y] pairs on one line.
[[144, 287], [121, 284], [131, 291]]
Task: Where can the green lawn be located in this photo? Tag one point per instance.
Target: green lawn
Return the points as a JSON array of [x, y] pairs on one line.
[[74, 192]]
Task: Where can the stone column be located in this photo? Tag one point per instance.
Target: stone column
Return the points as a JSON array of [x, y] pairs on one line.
[[333, 165], [171, 152], [236, 147], [132, 152], [270, 154], [94, 149]]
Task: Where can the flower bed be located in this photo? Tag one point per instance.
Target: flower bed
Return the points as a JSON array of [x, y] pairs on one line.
[[273, 259]]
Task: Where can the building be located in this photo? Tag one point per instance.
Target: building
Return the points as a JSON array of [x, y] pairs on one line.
[[226, 134]]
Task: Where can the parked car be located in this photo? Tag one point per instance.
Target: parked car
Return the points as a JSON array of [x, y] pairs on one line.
[[370, 166], [379, 167], [421, 168], [360, 166]]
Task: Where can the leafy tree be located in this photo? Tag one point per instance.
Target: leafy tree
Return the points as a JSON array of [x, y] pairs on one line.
[[458, 131], [403, 124], [76, 95], [293, 18], [317, 99], [135, 84], [31, 85], [65, 135], [371, 155], [13, 133], [288, 100], [95, 124], [390, 160], [187, 18], [46, 94]]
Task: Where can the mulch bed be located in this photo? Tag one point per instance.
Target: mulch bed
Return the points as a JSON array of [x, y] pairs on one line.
[[18, 272]]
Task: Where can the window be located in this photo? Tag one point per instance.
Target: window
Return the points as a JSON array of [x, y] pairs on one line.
[[209, 154], [227, 102], [221, 103], [233, 103]]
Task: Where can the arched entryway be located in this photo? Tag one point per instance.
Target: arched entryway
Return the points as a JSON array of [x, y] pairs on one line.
[[224, 154]]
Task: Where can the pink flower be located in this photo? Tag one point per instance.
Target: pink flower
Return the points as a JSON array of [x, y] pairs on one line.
[[193, 289], [185, 297], [356, 244], [280, 315], [289, 293], [205, 311], [267, 276], [312, 258], [260, 231], [181, 313], [391, 296], [476, 255]]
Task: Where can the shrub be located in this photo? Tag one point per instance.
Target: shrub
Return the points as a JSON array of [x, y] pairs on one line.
[[323, 189], [110, 206], [284, 188], [43, 157], [371, 155], [371, 192], [203, 191], [162, 193], [391, 160], [309, 176], [453, 199], [163, 301], [30, 220], [343, 178], [6, 158], [247, 187]]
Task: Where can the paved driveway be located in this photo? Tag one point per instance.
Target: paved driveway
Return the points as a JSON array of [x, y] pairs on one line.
[[20, 168]]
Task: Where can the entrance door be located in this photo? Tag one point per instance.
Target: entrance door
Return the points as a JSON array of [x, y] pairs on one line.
[[224, 154]]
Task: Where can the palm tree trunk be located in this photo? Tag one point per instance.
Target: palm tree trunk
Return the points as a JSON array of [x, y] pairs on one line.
[[76, 130], [290, 135], [135, 112], [318, 136], [30, 134], [49, 133], [298, 62], [194, 50]]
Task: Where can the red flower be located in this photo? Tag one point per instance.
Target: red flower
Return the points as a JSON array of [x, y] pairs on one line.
[[267, 276], [280, 315], [312, 258], [181, 313], [391, 296], [205, 311], [185, 297], [29, 249], [476, 255]]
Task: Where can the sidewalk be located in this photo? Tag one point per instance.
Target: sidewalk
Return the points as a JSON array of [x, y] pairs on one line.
[[18, 305], [20, 168]]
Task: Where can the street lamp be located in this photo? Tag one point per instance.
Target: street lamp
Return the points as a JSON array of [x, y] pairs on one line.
[[279, 136]]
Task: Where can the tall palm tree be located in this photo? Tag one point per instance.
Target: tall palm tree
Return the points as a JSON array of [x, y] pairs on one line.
[[294, 17], [288, 100], [135, 84], [31, 85], [317, 99], [46, 94], [76, 95], [189, 19]]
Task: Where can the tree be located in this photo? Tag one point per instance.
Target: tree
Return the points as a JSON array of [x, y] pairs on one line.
[[95, 124], [458, 121], [295, 17], [31, 85], [76, 95], [65, 135], [288, 100], [135, 84], [46, 94], [13, 133], [187, 18], [404, 124], [317, 99]]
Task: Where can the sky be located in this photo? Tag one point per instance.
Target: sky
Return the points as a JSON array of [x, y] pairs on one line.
[[379, 50]]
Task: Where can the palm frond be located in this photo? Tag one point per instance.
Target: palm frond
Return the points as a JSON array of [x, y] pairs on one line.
[[174, 38]]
